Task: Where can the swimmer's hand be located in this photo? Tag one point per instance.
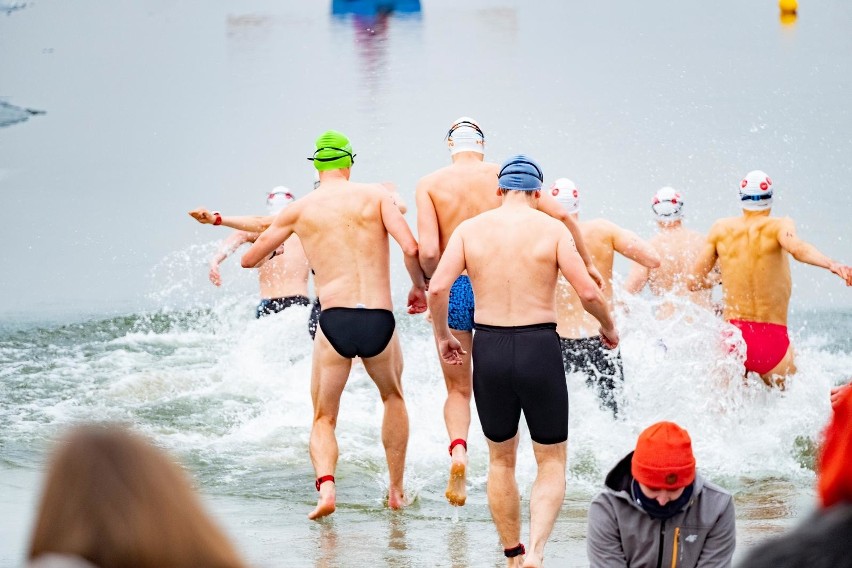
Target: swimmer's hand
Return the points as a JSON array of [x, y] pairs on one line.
[[214, 276], [203, 216], [596, 275], [451, 351], [609, 338], [843, 271], [837, 394], [416, 300]]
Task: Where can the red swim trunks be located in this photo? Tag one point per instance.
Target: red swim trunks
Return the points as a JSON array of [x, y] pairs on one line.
[[766, 344]]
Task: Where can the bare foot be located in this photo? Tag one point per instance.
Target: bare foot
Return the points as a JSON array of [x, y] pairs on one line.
[[396, 499], [532, 560], [325, 504], [515, 562], [456, 487]]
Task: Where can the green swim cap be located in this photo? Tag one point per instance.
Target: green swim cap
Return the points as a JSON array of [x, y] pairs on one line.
[[334, 152]]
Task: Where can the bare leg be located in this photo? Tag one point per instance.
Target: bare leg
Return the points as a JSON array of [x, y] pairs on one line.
[[328, 377], [504, 501], [386, 371], [459, 381], [778, 375], [548, 493]]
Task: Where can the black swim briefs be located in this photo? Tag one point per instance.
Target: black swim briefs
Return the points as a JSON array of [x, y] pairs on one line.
[[357, 332], [602, 367], [269, 306], [520, 368]]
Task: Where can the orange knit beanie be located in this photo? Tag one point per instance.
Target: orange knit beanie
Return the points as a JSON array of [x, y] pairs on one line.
[[663, 457]]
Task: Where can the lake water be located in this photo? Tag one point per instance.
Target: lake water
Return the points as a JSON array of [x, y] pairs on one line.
[[152, 108]]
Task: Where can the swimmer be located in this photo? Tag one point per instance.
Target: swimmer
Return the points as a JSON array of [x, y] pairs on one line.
[[517, 363], [752, 254], [444, 199], [582, 350], [284, 279], [678, 248], [351, 261]]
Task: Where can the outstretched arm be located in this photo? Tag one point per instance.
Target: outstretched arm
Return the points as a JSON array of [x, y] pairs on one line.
[[225, 249], [249, 223], [272, 238], [550, 206], [428, 231], [401, 233], [628, 244], [807, 253], [590, 295], [700, 277], [451, 266]]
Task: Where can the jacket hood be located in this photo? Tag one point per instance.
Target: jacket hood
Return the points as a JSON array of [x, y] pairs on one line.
[[620, 479]]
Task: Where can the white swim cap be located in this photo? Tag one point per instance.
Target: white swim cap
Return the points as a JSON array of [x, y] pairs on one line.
[[279, 198], [567, 194], [465, 135], [667, 205], [756, 191]]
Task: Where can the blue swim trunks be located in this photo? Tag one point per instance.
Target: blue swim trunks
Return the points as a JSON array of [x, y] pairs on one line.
[[460, 315]]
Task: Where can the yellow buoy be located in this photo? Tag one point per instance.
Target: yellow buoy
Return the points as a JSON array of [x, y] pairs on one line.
[[788, 6]]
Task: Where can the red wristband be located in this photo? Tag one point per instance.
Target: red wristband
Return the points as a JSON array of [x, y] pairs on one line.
[[218, 216]]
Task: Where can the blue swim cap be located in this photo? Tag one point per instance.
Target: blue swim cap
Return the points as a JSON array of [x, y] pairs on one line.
[[520, 173]]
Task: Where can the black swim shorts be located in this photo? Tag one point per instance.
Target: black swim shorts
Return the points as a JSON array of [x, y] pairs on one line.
[[520, 368], [357, 332], [269, 306], [602, 367]]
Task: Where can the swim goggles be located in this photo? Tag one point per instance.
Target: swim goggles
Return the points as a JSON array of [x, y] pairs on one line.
[[332, 158], [503, 171], [761, 197], [461, 124]]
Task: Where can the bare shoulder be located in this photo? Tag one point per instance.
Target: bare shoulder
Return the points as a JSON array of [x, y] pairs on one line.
[[434, 178], [601, 226]]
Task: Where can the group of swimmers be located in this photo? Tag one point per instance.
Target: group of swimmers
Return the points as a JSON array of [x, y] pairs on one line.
[[493, 232]]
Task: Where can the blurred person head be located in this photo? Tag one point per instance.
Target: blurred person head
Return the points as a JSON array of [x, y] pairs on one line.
[[113, 499]]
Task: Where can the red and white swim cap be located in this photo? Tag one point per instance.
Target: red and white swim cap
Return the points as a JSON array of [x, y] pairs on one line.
[[756, 191], [667, 205], [278, 198], [567, 194]]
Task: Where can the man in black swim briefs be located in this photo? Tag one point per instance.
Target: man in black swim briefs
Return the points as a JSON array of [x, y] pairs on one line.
[[517, 363], [344, 228]]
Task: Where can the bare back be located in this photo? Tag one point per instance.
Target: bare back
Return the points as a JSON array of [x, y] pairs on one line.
[[342, 231], [511, 258], [572, 319], [287, 273], [756, 281], [459, 192], [678, 249]]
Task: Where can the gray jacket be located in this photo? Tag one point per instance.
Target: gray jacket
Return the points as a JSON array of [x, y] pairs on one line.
[[622, 534]]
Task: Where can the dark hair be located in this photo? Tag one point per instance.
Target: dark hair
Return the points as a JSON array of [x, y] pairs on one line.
[[115, 500]]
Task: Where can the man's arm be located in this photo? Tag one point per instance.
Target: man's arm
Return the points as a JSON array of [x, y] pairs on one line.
[[451, 266], [400, 231], [637, 278], [721, 541], [395, 195], [249, 223], [628, 244], [698, 279], [603, 541], [587, 290], [272, 238], [807, 253], [547, 204], [428, 231], [225, 249]]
